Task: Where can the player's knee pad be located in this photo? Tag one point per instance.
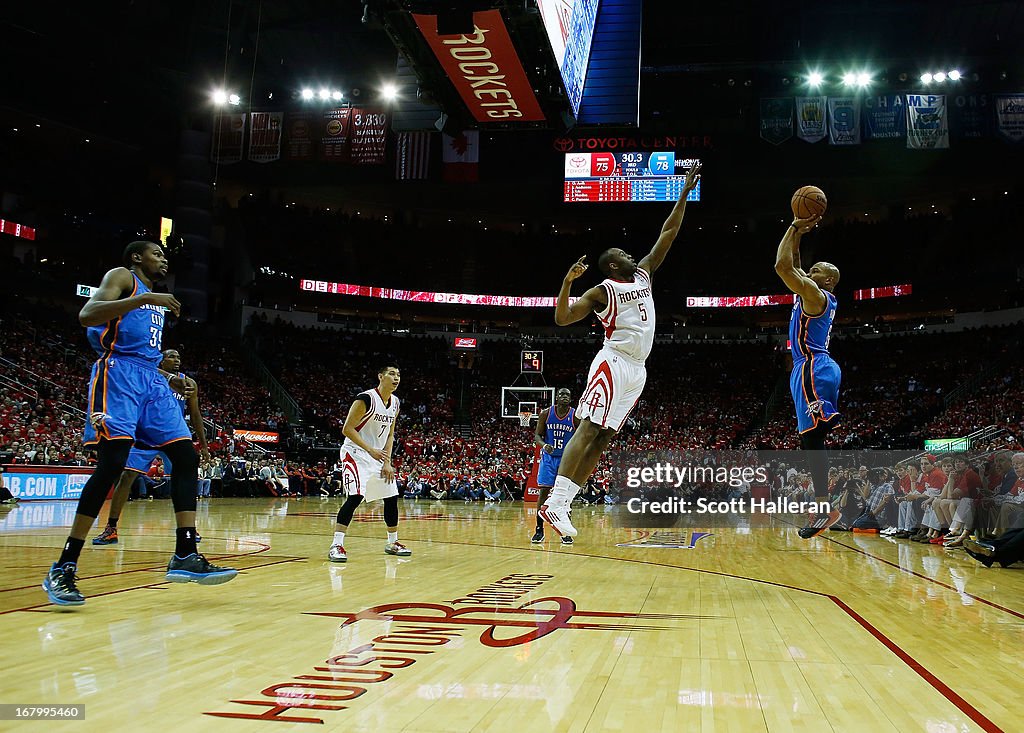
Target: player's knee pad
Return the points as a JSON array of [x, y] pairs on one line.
[[111, 455], [348, 509], [391, 511], [185, 478]]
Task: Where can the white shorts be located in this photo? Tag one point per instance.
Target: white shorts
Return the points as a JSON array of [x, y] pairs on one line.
[[360, 474], [613, 388]]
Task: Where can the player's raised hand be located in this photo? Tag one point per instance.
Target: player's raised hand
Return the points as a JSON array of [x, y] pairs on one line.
[[803, 226], [166, 300], [691, 180], [578, 268]]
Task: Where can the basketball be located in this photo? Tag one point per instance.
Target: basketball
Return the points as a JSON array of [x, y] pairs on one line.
[[808, 201]]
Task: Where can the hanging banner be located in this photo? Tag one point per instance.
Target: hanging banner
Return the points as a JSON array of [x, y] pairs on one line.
[[412, 156], [885, 117], [265, 136], [484, 68], [299, 141], [969, 116], [927, 124], [776, 119], [461, 157], [1010, 117], [843, 121], [228, 133], [369, 136], [335, 125], [810, 118]]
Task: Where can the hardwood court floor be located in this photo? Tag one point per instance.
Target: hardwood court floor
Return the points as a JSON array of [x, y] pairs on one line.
[[750, 630]]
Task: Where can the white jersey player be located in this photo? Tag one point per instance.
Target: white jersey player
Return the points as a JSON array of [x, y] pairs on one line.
[[625, 306], [366, 470]]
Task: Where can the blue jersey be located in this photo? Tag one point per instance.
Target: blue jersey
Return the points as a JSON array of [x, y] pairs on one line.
[[138, 334], [810, 335], [559, 430]]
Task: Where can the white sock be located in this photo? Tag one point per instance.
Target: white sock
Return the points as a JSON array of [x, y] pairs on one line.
[[392, 537], [339, 538]]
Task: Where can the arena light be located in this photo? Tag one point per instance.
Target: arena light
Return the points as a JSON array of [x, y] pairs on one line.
[[389, 92], [325, 94], [219, 97], [863, 79], [234, 99], [307, 94], [336, 95], [954, 75], [939, 76], [815, 79], [849, 79], [926, 78]]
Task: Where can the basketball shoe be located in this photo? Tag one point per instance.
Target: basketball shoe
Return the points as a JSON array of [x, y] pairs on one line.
[[558, 517], [337, 554], [819, 523], [107, 537], [397, 548], [197, 569], [538, 537], [60, 585], [567, 540]]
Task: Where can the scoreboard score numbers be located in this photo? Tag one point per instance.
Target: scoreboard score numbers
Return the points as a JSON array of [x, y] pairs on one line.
[[632, 176], [533, 362]]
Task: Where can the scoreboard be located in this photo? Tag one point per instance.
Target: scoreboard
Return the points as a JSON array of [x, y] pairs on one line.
[[533, 362], [632, 176]]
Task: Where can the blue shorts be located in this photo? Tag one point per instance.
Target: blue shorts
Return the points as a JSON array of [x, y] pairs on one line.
[[814, 384], [140, 459], [130, 400], [548, 469]]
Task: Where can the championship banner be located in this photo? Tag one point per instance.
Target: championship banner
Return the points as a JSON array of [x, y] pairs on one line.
[[927, 125], [776, 119], [969, 116], [228, 133], [257, 436], [335, 125], [484, 68], [1010, 117], [369, 136], [265, 136], [885, 117], [299, 142], [843, 121], [810, 118]]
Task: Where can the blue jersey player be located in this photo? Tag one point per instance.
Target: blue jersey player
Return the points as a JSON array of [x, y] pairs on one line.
[[554, 428], [140, 459], [814, 381], [131, 402]]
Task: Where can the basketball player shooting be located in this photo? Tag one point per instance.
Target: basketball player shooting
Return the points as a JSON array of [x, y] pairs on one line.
[[814, 381], [625, 306]]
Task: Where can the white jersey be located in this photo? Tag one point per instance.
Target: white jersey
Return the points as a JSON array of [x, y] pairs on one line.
[[628, 319], [376, 423]]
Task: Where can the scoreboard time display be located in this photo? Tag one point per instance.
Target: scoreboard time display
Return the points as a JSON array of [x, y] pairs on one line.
[[533, 362], [632, 176]]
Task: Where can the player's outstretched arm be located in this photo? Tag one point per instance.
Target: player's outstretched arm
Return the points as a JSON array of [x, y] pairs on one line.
[[786, 267], [670, 229], [107, 304], [593, 300]]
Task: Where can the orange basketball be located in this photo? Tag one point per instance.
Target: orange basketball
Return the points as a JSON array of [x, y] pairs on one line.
[[808, 201]]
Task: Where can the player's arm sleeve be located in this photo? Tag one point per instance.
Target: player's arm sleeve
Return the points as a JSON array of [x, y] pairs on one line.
[[591, 301]]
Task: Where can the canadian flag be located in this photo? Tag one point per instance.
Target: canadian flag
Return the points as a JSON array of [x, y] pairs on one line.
[[461, 157]]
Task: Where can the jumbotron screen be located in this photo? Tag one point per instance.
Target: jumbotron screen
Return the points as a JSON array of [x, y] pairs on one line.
[[632, 176]]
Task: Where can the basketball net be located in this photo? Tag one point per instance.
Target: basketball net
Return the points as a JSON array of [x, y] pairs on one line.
[[524, 419]]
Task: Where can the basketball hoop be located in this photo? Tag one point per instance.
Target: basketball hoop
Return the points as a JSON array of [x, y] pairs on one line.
[[524, 419]]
